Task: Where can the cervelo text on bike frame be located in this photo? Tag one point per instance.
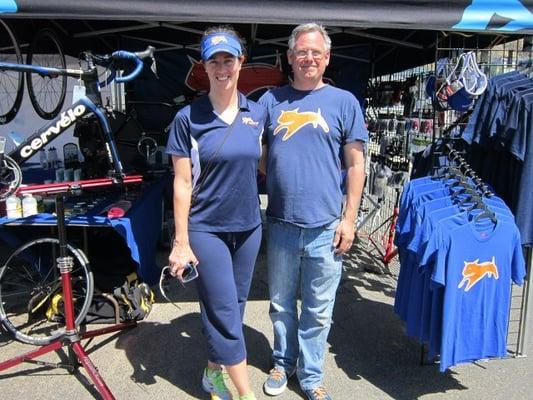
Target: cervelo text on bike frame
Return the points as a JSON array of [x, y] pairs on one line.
[[41, 138]]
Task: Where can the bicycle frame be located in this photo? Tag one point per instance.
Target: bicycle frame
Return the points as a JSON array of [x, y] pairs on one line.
[[386, 249], [91, 103], [390, 251]]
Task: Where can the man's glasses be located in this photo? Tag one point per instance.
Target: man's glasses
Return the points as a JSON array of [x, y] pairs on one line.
[[315, 54]]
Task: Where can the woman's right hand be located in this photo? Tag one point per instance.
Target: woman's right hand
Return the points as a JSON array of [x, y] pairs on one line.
[[179, 257]]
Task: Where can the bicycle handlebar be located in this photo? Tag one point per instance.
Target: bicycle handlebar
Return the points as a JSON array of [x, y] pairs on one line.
[[137, 58]]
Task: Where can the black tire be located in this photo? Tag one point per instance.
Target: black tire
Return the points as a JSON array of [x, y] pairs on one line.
[[11, 82], [31, 293], [47, 92], [10, 177]]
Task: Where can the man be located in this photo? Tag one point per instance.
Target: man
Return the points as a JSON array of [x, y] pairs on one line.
[[313, 131]]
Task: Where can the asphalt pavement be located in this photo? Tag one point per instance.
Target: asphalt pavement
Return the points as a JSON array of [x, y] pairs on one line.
[[368, 356]]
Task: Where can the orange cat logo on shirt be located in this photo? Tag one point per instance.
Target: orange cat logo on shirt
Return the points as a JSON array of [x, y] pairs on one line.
[[474, 271], [292, 121]]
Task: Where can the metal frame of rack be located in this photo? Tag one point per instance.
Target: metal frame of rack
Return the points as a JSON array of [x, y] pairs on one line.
[[502, 56]]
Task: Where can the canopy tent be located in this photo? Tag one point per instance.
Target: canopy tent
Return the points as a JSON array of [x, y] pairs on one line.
[[478, 15], [387, 35], [383, 36]]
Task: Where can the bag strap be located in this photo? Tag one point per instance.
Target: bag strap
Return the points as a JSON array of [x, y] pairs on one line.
[[204, 173]]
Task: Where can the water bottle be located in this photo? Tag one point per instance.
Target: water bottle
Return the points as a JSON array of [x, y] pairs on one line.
[[29, 205], [13, 207], [53, 161], [42, 159]]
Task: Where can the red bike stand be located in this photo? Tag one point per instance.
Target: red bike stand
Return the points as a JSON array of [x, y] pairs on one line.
[[72, 338]]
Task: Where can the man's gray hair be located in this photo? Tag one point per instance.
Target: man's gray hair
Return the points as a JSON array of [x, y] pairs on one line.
[[309, 27]]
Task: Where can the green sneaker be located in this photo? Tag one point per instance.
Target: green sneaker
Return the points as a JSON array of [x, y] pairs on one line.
[[213, 383], [249, 396]]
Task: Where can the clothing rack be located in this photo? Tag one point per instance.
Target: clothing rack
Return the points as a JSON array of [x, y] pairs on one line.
[[495, 61], [490, 147], [429, 285]]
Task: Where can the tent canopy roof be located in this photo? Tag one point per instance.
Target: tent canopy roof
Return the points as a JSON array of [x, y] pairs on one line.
[[478, 15], [397, 35]]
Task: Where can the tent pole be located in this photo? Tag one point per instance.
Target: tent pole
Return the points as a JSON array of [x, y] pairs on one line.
[[525, 314]]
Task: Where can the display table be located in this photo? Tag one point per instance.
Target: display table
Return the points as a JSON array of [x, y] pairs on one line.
[[140, 227]]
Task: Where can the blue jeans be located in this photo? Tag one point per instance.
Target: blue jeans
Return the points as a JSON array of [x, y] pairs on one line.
[[301, 261]]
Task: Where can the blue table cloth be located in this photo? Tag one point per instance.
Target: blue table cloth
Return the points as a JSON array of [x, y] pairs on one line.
[[140, 227]]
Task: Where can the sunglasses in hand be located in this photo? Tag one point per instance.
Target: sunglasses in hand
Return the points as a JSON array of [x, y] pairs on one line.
[[189, 273]]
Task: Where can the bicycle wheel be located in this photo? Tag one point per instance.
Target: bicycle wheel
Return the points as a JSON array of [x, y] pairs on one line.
[[11, 82], [31, 298], [47, 92], [10, 177]]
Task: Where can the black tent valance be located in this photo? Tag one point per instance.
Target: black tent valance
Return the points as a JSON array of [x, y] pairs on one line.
[[476, 15]]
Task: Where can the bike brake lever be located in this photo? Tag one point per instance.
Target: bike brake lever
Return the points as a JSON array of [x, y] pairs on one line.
[[153, 67]]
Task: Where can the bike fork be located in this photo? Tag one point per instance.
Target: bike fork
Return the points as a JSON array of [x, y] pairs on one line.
[[391, 251]]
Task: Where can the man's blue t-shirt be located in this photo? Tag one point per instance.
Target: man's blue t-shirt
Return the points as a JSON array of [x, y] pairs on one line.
[[305, 135], [224, 165]]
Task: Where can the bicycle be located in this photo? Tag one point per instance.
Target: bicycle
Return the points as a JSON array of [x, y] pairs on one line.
[[29, 283], [30, 290], [382, 240], [10, 174], [46, 91]]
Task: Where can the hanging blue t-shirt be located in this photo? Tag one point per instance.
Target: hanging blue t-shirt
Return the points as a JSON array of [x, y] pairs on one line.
[[406, 199], [516, 134], [432, 211], [305, 135], [421, 298], [224, 164], [482, 114], [496, 110], [413, 285], [418, 194], [412, 190], [475, 263], [524, 206]]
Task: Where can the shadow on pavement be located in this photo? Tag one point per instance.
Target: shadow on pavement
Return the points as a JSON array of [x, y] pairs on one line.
[[368, 342], [176, 352]]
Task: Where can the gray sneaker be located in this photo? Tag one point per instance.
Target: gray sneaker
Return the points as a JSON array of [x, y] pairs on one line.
[[276, 382], [318, 393]]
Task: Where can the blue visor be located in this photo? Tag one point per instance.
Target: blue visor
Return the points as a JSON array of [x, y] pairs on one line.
[[220, 42]]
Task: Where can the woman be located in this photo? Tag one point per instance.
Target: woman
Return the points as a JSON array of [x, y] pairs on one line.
[[215, 148]]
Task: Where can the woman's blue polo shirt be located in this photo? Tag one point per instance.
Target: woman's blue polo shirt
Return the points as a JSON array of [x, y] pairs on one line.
[[225, 197]]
